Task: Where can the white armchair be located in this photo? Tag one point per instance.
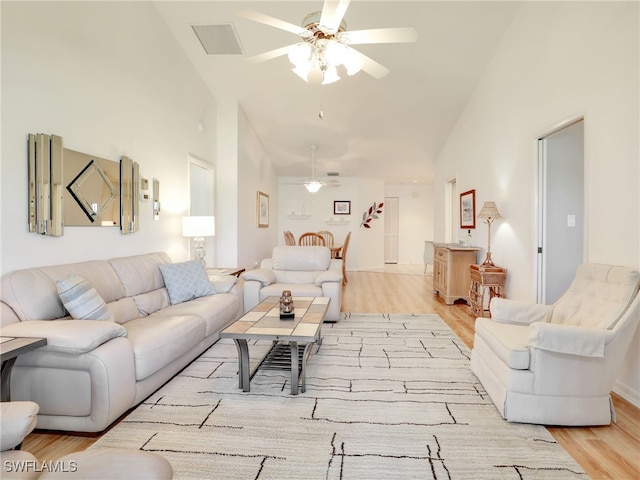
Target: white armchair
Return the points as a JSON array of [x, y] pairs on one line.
[[306, 271], [557, 364]]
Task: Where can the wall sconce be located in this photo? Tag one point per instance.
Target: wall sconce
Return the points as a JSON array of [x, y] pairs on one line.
[[198, 227], [156, 199], [489, 213]]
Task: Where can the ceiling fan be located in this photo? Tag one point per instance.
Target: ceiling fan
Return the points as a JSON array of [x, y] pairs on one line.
[[314, 184], [325, 43]]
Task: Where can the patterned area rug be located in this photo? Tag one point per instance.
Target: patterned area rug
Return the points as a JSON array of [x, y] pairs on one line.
[[388, 396]]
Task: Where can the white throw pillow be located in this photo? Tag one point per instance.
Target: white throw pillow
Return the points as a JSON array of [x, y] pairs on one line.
[[81, 300], [186, 281]]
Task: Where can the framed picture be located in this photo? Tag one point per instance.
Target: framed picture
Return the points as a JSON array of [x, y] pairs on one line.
[[262, 210], [468, 209], [341, 207]]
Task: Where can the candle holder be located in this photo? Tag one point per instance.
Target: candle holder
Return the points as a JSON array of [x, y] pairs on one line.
[[286, 306]]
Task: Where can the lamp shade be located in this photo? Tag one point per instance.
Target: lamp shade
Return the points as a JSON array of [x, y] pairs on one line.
[[313, 186], [489, 212], [198, 226]]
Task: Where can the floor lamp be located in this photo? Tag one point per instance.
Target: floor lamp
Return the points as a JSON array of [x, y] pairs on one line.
[[198, 227], [489, 213]]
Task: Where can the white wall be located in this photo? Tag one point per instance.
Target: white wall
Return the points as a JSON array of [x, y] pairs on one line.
[[111, 80], [256, 174], [557, 61], [415, 220], [366, 247]]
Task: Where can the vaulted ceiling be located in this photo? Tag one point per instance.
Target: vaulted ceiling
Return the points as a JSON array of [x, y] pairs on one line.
[[390, 128]]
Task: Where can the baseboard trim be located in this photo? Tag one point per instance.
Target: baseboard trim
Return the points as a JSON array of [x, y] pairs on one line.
[[629, 394]]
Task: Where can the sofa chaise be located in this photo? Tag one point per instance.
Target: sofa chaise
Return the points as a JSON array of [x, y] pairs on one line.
[[307, 271], [92, 371]]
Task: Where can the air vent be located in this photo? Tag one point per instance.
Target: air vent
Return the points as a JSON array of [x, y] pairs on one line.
[[218, 39], [333, 174]]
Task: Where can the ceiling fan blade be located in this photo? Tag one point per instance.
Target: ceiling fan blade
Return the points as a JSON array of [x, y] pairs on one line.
[[263, 57], [380, 35], [332, 14], [273, 22], [370, 66]]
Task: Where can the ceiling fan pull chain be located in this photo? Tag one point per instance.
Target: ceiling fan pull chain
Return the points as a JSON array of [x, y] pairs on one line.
[[321, 112]]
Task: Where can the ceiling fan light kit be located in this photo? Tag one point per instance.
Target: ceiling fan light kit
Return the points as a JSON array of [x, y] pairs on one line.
[[313, 185], [325, 44]]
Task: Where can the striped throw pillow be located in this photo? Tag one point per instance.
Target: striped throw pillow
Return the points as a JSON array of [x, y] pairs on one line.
[[81, 300]]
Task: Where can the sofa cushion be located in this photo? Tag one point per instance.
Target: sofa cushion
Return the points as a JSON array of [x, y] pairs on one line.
[[301, 259], [508, 342], [73, 337], [151, 302], [217, 311], [186, 281], [597, 297], [159, 340], [140, 273], [32, 293], [81, 300]]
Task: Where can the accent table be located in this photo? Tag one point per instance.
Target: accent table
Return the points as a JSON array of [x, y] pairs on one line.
[[10, 349], [485, 279], [263, 322]]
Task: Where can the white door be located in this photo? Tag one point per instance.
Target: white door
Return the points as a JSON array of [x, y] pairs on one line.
[[561, 216], [391, 229]]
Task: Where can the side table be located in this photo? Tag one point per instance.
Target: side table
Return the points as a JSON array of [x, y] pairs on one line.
[[236, 272], [485, 280], [10, 348]]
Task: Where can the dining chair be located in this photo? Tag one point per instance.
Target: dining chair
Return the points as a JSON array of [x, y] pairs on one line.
[[311, 238], [342, 254], [328, 237], [289, 239]]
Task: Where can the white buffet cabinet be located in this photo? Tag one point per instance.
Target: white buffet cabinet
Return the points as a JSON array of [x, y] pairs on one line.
[[451, 279]]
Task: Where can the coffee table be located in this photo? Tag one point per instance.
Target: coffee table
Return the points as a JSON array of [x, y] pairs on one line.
[[263, 323], [10, 349]]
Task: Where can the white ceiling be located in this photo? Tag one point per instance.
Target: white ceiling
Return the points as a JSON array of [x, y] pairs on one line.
[[391, 128]]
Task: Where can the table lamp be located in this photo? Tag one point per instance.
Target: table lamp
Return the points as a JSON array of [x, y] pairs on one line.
[[489, 213], [198, 227]]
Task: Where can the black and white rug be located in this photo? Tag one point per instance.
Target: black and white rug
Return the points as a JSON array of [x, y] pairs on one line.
[[388, 397]]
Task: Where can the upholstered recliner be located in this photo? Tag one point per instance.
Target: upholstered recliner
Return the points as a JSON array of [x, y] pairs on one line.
[[306, 271], [557, 364], [18, 419]]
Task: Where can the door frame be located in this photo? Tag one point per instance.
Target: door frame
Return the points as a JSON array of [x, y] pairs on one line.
[[540, 195]]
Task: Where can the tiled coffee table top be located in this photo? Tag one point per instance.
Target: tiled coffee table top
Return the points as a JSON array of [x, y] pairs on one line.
[[263, 321]]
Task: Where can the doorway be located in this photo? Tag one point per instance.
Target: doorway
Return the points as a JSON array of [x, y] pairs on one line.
[[561, 214], [391, 229], [201, 197]]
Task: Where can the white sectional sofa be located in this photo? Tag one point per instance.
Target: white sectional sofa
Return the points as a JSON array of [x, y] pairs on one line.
[[93, 371]]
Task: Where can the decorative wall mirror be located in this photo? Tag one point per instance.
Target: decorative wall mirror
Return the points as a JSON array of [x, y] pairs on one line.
[[91, 196], [45, 155], [75, 189], [129, 193], [156, 199]]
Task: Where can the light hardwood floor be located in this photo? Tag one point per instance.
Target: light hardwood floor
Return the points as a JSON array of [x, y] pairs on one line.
[[609, 452]]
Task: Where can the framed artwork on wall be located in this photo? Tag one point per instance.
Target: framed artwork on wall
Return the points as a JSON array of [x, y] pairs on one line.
[[341, 207], [468, 209], [262, 210]]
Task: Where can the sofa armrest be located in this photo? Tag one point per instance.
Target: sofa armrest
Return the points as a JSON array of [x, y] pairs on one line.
[[73, 337], [17, 419], [572, 340], [504, 310], [329, 276], [262, 275]]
